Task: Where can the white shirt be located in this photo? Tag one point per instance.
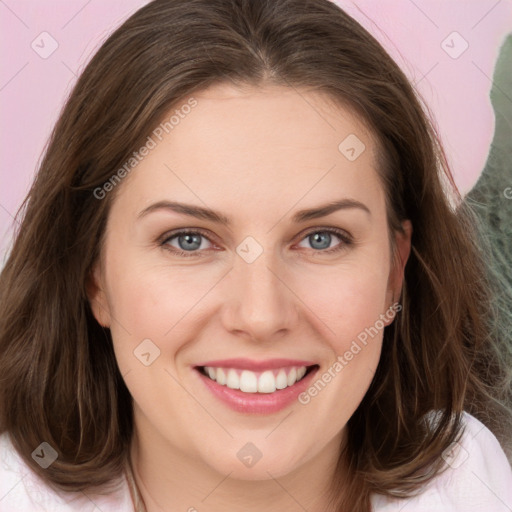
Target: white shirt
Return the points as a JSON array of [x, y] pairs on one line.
[[478, 479]]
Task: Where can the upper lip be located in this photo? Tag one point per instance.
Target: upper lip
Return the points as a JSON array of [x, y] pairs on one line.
[[250, 364]]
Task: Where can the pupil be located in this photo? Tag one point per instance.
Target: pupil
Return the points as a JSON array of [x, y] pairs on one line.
[[193, 239], [323, 238]]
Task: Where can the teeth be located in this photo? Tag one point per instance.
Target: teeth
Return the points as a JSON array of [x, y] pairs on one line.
[[221, 376], [248, 382], [292, 377], [266, 382], [281, 380], [233, 381], [251, 382]]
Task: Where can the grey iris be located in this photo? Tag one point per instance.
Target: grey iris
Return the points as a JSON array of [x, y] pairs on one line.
[[323, 238], [192, 241]]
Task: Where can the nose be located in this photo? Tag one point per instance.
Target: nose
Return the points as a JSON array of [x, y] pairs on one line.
[[259, 302]]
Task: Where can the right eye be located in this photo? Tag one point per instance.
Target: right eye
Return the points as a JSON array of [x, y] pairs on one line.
[[188, 242]]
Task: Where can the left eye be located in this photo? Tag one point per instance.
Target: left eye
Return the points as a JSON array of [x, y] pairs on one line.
[[321, 240], [190, 243]]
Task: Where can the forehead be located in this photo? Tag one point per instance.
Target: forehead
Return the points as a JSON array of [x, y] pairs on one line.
[[288, 119], [267, 145]]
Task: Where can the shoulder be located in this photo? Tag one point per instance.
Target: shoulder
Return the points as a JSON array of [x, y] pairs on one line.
[[477, 478], [21, 490]]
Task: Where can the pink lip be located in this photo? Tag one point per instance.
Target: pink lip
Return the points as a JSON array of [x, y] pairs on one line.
[[257, 403], [255, 366]]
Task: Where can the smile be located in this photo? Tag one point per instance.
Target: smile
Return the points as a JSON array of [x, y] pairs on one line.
[[256, 387], [248, 381]]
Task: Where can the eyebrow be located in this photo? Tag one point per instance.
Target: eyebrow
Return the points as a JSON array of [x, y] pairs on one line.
[[200, 212]]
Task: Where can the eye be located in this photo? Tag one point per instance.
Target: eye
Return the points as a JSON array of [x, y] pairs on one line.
[[321, 240], [186, 242]]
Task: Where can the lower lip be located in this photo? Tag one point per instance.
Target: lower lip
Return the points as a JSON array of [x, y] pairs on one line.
[[258, 403]]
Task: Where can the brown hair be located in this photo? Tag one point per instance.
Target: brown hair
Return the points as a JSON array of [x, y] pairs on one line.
[[59, 379]]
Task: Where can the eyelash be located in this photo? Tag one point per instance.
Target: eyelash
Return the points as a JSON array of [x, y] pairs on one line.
[[345, 238]]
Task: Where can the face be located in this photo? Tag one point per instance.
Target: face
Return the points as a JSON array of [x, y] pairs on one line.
[[222, 268]]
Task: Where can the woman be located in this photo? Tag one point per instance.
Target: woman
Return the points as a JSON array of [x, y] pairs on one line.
[[239, 284]]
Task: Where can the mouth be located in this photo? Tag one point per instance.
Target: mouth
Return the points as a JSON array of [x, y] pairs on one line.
[[263, 389], [247, 381]]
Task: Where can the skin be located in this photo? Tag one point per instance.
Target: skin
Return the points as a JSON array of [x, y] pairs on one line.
[[258, 155]]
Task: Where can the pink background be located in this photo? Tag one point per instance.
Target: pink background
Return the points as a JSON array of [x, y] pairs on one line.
[[33, 89]]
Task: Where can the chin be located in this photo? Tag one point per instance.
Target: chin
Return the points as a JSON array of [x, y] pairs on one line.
[[252, 464]]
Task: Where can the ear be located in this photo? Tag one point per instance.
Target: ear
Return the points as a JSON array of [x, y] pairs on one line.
[[400, 257], [95, 290]]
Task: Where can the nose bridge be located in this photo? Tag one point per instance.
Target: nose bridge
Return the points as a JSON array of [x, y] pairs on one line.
[[260, 303]]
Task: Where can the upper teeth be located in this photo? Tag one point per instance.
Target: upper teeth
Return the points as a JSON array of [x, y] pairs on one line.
[[254, 382]]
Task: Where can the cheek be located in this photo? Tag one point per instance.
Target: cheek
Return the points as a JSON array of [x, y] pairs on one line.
[[151, 313], [152, 299], [158, 303], [351, 308], [350, 300], [356, 317]]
